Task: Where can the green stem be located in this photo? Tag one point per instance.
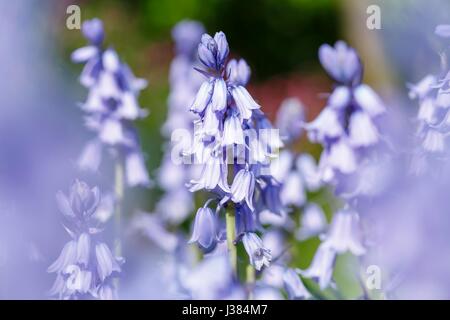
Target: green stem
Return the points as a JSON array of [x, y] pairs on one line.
[[230, 220], [118, 193], [250, 279]]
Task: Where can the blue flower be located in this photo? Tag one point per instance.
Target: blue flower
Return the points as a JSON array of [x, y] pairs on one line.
[[205, 229], [258, 254], [111, 105], [345, 233], [341, 62], [321, 268], [85, 265], [294, 286], [243, 187], [290, 119]]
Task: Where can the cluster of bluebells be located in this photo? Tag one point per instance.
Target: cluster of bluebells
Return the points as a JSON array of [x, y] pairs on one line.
[[297, 175], [111, 106], [230, 129], [347, 130], [177, 202], [86, 267], [433, 118]]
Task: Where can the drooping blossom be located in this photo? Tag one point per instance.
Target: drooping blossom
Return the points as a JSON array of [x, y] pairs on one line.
[[230, 129], [111, 106], [86, 267], [348, 132], [433, 117]]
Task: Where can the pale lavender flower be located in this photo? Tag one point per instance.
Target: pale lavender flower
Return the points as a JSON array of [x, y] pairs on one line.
[[346, 126], [85, 268], [321, 268], [205, 229], [294, 286], [258, 254], [312, 222], [111, 106], [243, 187], [231, 129], [433, 118], [345, 233], [290, 119]]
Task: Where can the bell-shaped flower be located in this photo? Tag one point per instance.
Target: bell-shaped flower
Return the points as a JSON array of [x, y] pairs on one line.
[[293, 191], [290, 119], [232, 131], [214, 174], [345, 233], [369, 101], [93, 31], [259, 255], [238, 72], [340, 97], [222, 48], [362, 131], [243, 187], [312, 223], [294, 286], [135, 170], [327, 125], [106, 262], [244, 102], [207, 51], [204, 231], [210, 122], [219, 96], [203, 97], [321, 268], [341, 62]]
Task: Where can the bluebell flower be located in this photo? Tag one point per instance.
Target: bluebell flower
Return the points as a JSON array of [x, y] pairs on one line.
[[346, 126], [259, 255], [321, 268], [187, 35], [294, 286], [111, 105], [243, 187], [205, 229], [345, 233], [85, 268], [313, 222], [433, 118], [341, 62], [290, 119], [230, 129], [238, 72], [246, 220]]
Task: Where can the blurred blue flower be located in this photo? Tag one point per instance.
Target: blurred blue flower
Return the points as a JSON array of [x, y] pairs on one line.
[[111, 106], [294, 286], [85, 268]]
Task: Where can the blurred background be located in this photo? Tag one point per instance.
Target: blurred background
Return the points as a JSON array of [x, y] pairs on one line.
[[41, 128]]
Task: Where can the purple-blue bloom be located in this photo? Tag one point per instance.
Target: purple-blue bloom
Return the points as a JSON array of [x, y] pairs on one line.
[[111, 106], [86, 266]]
